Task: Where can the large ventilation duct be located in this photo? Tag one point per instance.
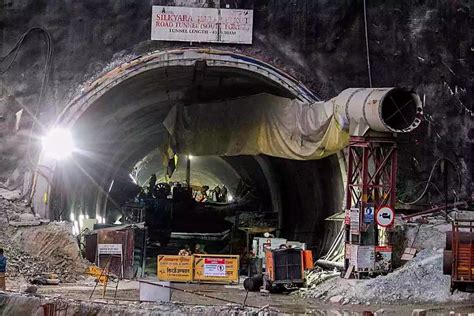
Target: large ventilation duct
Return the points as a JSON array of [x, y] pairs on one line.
[[392, 110], [288, 128]]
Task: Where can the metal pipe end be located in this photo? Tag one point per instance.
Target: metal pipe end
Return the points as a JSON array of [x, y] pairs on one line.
[[401, 110]]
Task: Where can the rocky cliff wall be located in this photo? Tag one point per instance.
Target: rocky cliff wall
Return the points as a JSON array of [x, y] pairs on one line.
[[424, 45]]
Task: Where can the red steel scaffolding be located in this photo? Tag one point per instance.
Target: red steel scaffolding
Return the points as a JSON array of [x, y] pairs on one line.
[[371, 185]]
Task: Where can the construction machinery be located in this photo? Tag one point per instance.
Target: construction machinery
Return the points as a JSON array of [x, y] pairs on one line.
[[458, 257], [284, 269]]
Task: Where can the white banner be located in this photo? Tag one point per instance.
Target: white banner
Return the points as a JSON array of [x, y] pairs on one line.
[[201, 25]]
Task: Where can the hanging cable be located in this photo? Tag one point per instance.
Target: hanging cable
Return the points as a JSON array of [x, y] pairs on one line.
[[10, 58], [12, 55], [428, 182], [367, 45]]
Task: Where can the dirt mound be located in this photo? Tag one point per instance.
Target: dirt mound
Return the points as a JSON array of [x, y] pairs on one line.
[[420, 280], [34, 247], [47, 248]]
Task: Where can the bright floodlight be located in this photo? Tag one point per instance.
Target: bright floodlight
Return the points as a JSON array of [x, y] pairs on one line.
[[58, 143]]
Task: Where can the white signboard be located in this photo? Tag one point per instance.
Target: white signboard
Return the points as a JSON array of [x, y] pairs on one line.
[[355, 222], [385, 216], [109, 249], [362, 257], [214, 267], [201, 25]]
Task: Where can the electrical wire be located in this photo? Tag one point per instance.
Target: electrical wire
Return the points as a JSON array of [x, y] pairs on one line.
[[13, 54], [419, 184], [428, 182], [367, 44]]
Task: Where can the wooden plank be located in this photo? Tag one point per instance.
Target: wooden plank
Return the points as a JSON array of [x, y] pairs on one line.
[[349, 271], [408, 254]]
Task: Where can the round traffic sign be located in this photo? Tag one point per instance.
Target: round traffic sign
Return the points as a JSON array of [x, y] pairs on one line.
[[385, 216]]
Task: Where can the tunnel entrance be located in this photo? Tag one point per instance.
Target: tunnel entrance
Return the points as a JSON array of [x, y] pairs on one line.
[[117, 125]]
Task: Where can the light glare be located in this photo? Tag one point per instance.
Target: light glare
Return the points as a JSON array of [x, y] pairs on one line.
[[58, 143]]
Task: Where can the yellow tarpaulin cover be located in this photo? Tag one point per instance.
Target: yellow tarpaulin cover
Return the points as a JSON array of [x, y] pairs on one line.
[[259, 124]]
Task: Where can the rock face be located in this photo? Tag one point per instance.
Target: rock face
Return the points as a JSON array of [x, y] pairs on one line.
[[421, 45]]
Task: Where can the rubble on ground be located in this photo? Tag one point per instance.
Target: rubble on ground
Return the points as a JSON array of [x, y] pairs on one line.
[[36, 247], [420, 280], [14, 303], [10, 195]]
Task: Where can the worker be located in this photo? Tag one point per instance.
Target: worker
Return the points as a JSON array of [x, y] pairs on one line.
[[3, 268], [216, 194], [202, 195], [223, 195], [151, 185], [198, 249], [140, 198], [186, 251], [248, 263]]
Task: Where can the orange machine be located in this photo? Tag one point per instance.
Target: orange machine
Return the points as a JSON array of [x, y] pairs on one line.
[[284, 267], [459, 254]]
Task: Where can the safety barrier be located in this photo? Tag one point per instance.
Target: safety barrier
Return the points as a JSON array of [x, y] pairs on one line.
[[197, 268], [216, 268], [175, 268]]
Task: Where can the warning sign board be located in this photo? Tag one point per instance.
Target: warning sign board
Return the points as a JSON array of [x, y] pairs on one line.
[[369, 214], [385, 216], [214, 267], [109, 249], [175, 268]]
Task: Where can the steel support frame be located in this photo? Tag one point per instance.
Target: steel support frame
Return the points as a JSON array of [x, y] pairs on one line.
[[371, 172], [371, 181]]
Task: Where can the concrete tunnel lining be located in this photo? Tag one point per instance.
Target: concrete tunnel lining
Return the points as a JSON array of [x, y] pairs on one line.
[[105, 99]]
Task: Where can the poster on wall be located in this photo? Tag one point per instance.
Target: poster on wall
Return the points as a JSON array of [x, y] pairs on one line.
[[208, 25], [362, 257], [383, 258]]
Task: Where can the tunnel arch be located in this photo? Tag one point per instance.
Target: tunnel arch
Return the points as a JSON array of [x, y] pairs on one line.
[[181, 57], [94, 104]]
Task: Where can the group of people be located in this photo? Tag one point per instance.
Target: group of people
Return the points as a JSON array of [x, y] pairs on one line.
[[218, 194], [186, 251], [163, 190]]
